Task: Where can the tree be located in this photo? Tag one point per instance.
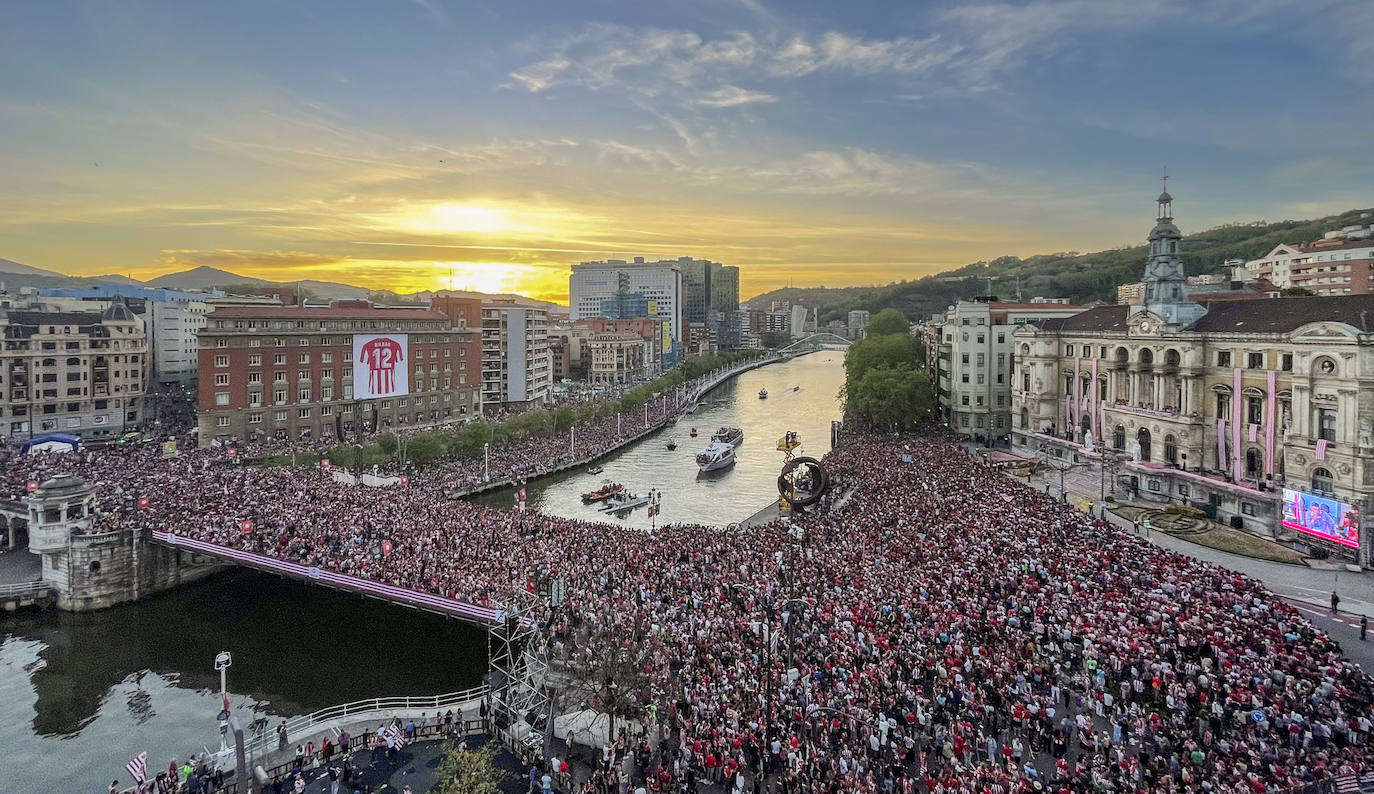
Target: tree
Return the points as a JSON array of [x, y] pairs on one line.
[[892, 398], [1296, 292], [888, 321], [470, 771], [874, 352], [467, 443]]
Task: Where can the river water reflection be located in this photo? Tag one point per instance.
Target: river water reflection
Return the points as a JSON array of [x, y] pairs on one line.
[[82, 693]]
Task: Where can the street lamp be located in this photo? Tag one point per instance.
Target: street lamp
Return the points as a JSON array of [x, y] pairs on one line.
[[222, 661]]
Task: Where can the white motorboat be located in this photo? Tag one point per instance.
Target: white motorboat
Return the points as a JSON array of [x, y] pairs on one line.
[[623, 501], [717, 455]]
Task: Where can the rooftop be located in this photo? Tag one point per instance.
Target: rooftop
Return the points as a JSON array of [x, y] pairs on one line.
[[272, 312], [1262, 315]]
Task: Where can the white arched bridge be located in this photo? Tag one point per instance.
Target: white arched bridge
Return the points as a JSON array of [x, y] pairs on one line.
[[816, 341]]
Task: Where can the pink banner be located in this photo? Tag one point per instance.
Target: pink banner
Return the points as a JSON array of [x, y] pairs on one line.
[[1102, 424], [1221, 444], [1093, 412], [1271, 422], [1077, 394], [1253, 432], [1321, 449], [1237, 459]]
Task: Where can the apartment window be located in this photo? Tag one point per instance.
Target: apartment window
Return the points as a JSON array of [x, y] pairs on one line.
[[980, 378], [1322, 481], [979, 401], [279, 376], [255, 419], [221, 342], [305, 358], [279, 416], [279, 359], [1287, 362], [255, 343], [327, 358], [1254, 410], [326, 374], [1025, 381], [255, 360], [255, 377], [221, 421], [1068, 350], [963, 358], [326, 410], [1254, 361], [222, 379], [254, 399], [980, 339], [303, 413], [1223, 405], [222, 398], [303, 341], [279, 396], [303, 395], [1223, 358], [221, 361], [964, 377], [964, 400], [326, 392]]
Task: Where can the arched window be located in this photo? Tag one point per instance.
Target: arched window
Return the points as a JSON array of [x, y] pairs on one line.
[[1254, 463], [1144, 438], [1119, 438], [1322, 481], [1147, 356], [1171, 358]]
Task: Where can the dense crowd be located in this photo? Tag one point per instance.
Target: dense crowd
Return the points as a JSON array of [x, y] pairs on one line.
[[941, 629]]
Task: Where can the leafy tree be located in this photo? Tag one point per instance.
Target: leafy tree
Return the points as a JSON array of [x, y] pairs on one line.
[[425, 447], [388, 444], [1296, 292], [470, 771], [888, 321], [468, 441], [872, 352], [893, 398]]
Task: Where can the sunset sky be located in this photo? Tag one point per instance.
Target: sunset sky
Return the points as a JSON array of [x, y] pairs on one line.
[[428, 143]]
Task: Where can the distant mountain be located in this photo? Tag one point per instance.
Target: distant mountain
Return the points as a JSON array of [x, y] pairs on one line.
[[1080, 277], [114, 278], [206, 277], [10, 266]]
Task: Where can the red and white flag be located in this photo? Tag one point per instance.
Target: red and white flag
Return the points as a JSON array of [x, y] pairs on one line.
[[138, 767], [325, 464], [245, 525], [32, 486], [386, 548], [143, 502]]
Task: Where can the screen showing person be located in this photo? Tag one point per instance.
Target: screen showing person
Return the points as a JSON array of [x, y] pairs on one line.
[[1321, 516]]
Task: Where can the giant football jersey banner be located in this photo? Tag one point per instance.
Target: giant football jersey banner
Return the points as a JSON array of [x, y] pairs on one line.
[[379, 366]]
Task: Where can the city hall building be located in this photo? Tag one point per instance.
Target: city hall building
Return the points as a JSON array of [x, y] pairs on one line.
[[1260, 412], [312, 372]]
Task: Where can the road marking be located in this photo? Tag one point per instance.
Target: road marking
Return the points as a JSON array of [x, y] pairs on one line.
[[1327, 615]]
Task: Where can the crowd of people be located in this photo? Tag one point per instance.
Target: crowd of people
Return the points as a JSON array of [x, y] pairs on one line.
[[940, 629]]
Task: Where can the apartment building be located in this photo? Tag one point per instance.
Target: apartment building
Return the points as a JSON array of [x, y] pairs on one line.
[[517, 369]]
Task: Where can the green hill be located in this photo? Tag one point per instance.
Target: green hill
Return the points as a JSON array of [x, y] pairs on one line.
[[1081, 277]]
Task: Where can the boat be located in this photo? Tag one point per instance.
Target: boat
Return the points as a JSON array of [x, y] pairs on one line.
[[716, 456], [604, 492], [672, 445], [763, 394], [729, 435], [595, 470], [694, 432], [623, 502], [796, 388]]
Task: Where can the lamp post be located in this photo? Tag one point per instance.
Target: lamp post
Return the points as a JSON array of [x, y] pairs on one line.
[[222, 661], [486, 461]]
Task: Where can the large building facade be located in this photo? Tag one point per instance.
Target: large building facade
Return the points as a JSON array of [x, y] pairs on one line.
[[1257, 411], [171, 320], [974, 362], [616, 288], [80, 373], [517, 369], [288, 372]]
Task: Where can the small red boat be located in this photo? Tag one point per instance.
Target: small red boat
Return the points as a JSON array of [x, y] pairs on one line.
[[603, 493]]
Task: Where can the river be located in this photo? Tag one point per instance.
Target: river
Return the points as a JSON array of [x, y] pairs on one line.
[[719, 497], [82, 693]]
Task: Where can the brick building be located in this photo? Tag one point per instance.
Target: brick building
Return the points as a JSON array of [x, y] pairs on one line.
[[286, 372]]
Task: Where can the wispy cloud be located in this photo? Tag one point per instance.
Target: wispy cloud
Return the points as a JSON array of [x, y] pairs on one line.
[[729, 96]]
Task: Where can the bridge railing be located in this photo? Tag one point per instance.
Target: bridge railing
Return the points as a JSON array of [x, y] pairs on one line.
[[24, 589], [307, 726]]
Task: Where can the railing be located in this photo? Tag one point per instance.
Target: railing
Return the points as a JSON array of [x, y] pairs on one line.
[[23, 589], [307, 725]]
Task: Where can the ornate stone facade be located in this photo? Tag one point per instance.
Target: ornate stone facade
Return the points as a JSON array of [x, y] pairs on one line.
[[1220, 405]]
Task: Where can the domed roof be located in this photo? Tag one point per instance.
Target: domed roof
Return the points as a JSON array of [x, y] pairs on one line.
[[118, 312], [1164, 197], [62, 484]]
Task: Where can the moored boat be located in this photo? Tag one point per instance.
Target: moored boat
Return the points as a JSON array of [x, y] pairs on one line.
[[595, 470], [763, 394]]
